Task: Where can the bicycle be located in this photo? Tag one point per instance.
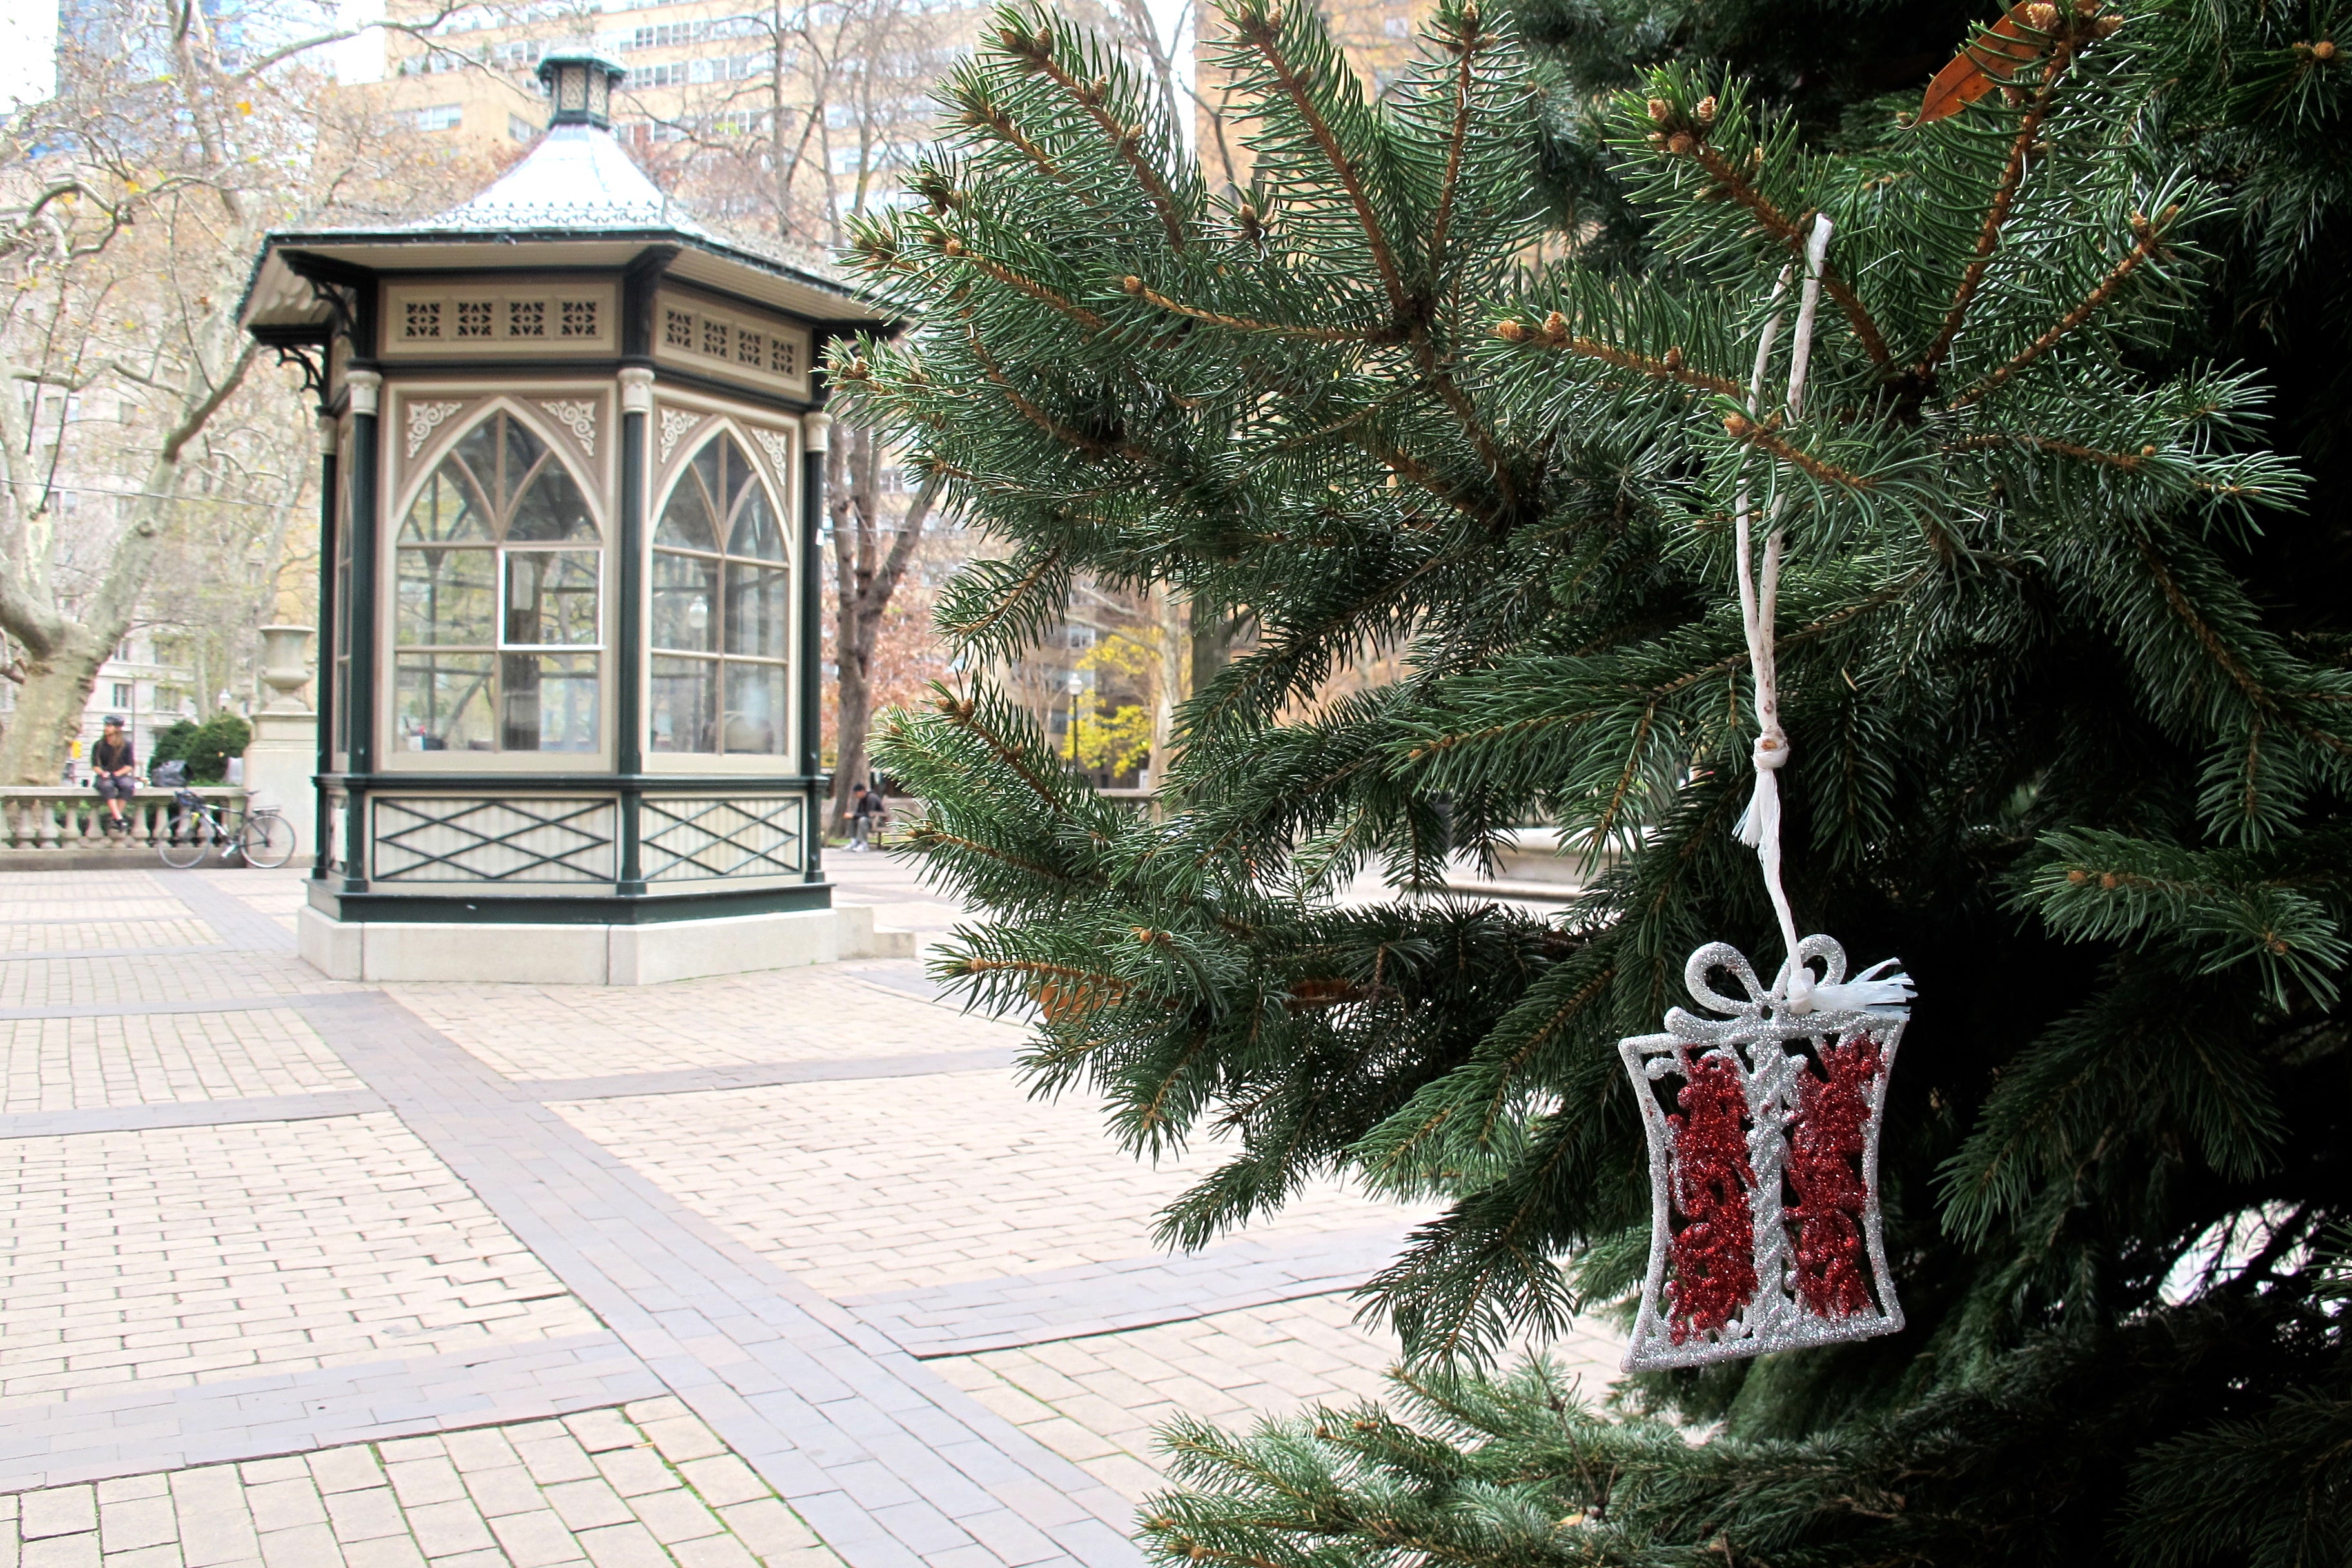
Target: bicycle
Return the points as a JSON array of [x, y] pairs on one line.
[[262, 837]]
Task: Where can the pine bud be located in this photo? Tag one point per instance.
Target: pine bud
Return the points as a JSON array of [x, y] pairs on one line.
[[2041, 16], [2148, 450], [2078, 875], [1658, 110], [953, 246], [1470, 18], [1680, 143], [2108, 879], [1556, 327], [2106, 26], [1736, 425], [2322, 50], [1132, 284], [1511, 331], [1706, 108], [1674, 357]]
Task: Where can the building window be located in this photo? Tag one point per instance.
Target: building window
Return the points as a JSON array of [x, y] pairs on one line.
[[721, 612], [497, 631], [438, 116], [521, 130], [122, 694]]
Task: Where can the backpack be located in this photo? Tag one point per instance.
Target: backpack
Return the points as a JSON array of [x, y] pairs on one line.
[[169, 775]]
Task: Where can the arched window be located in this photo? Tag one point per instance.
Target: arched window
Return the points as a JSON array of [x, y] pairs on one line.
[[497, 633], [721, 612]]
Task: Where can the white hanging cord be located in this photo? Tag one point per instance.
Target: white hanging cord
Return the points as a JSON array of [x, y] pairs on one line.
[[1759, 599]]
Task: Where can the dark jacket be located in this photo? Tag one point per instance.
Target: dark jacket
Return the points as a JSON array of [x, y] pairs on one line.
[[109, 755]]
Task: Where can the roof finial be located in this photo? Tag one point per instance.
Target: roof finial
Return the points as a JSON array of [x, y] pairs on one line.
[[580, 85]]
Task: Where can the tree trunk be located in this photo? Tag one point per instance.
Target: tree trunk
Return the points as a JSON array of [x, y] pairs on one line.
[[49, 707], [866, 574]]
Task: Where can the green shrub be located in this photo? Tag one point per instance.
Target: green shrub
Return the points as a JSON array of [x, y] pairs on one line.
[[172, 741], [215, 741]]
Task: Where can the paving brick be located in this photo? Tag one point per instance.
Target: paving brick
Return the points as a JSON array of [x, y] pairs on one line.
[[535, 1539], [624, 1546], [65, 1510]]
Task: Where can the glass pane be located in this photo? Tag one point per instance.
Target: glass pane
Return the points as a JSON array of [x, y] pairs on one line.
[[686, 601], [685, 521], [445, 510], [549, 702], [445, 596], [756, 533], [522, 451], [758, 609], [756, 710], [551, 597], [710, 468], [442, 702], [478, 452], [685, 705], [553, 512]]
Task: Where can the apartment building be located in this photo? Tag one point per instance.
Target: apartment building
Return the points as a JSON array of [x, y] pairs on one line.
[[735, 81]]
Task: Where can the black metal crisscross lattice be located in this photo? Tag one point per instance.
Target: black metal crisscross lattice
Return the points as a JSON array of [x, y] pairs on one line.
[[684, 837], [504, 840]]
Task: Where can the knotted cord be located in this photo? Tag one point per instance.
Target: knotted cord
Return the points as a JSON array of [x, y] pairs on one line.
[[1759, 596]]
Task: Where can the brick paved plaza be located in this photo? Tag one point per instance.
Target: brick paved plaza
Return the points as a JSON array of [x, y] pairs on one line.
[[782, 1269]]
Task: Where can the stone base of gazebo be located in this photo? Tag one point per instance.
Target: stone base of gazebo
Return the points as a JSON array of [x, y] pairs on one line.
[[591, 954]]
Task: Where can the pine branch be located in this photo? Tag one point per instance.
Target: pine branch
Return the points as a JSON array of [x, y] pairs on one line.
[[2148, 241], [1691, 143], [1137, 287], [1766, 437], [951, 246], [1037, 52], [1262, 29], [2013, 174], [1553, 333]]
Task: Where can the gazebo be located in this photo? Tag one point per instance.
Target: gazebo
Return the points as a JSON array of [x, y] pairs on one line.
[[573, 456]]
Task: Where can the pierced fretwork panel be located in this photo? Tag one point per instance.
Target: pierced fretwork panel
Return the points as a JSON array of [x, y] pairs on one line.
[[563, 838], [684, 837]]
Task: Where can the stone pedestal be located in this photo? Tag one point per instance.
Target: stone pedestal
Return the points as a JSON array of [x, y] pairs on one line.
[[284, 755], [278, 767]]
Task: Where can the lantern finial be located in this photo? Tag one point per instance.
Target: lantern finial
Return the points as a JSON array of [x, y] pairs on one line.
[[580, 85]]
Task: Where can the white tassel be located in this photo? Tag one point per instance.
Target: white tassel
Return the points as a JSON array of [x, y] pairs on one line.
[[1868, 993], [1761, 820]]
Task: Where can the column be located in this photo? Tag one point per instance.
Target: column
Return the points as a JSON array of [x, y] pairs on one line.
[[816, 431], [366, 389], [322, 805], [629, 654]]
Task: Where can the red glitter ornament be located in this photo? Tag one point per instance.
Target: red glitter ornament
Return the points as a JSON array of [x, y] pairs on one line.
[[1712, 1254], [1824, 1167]]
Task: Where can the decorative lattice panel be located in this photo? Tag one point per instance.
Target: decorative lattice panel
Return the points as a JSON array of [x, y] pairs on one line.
[[682, 839], [565, 838]]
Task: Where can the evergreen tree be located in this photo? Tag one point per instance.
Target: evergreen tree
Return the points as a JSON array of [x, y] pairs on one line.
[[2068, 719]]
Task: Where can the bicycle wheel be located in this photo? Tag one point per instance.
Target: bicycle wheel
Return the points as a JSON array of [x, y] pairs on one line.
[[268, 841], [185, 842]]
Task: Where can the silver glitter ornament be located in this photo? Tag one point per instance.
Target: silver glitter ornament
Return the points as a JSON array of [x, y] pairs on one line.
[[1810, 1059]]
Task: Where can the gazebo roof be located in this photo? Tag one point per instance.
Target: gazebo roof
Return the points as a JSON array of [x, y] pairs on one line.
[[577, 199]]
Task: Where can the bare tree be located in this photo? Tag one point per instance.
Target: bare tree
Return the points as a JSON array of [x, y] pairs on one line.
[[130, 207]]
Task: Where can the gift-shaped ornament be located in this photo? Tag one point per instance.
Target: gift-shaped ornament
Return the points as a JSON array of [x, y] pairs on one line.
[[1763, 1128]]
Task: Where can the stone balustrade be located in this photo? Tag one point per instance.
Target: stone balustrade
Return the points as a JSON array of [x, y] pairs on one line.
[[63, 818]]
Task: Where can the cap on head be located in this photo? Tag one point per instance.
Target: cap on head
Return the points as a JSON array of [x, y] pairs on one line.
[[114, 720]]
